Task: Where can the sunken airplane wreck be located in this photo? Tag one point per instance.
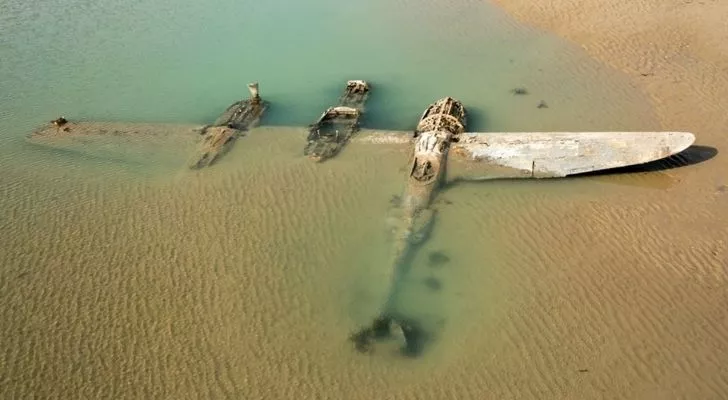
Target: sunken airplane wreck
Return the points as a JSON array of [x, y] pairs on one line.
[[337, 124], [326, 137], [439, 139], [218, 138]]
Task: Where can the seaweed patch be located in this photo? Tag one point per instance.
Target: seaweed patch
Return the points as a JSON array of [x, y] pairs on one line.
[[437, 259], [433, 283]]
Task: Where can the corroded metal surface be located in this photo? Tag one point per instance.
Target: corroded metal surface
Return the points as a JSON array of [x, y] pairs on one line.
[[355, 94], [439, 125], [488, 155], [446, 114], [243, 114], [216, 141], [218, 138], [332, 131]]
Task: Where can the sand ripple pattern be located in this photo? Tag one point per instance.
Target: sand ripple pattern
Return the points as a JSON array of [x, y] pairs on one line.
[[234, 282]]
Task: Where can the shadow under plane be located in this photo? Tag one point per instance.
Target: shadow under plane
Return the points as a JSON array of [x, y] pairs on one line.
[[440, 138]]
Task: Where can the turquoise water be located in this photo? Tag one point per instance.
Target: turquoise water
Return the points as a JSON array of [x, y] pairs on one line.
[[244, 279], [185, 62]]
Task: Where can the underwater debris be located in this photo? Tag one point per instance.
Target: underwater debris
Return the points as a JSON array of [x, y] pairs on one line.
[[414, 334], [433, 283], [215, 143], [60, 121], [231, 124], [382, 327], [439, 124], [542, 104], [332, 131], [362, 340], [437, 259], [519, 91]]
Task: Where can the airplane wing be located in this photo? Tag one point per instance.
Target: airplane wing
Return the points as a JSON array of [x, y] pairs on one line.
[[147, 142], [477, 155], [490, 155], [499, 155], [380, 136], [137, 143]]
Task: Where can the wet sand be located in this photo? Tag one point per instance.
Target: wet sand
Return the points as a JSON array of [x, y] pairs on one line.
[[191, 285], [143, 280], [636, 284]]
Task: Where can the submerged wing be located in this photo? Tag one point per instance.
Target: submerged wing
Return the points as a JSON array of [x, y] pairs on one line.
[[487, 155], [173, 145], [138, 142], [557, 154], [378, 136]]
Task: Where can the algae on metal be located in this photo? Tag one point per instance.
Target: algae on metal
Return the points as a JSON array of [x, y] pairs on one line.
[[483, 155], [231, 124], [332, 131]]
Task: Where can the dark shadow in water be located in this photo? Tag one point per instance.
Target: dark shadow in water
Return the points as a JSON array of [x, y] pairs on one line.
[[433, 283], [437, 259], [477, 122], [690, 156], [374, 108], [380, 113], [282, 112], [416, 336]]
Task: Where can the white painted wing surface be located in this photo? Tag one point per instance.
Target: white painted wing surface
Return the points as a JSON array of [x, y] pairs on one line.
[[558, 154]]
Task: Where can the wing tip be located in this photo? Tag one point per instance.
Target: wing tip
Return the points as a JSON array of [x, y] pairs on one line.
[[680, 141]]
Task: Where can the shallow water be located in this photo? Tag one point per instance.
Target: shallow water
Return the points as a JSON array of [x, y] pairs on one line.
[[126, 275]]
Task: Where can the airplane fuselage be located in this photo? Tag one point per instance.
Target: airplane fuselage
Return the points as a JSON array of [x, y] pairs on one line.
[[440, 125]]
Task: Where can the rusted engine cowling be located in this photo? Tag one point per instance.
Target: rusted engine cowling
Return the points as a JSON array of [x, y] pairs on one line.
[[446, 114]]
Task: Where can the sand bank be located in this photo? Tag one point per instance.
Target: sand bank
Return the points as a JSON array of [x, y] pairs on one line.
[[676, 52], [642, 289]]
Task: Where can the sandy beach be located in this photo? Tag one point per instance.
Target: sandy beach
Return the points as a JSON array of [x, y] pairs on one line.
[[126, 275], [671, 296], [676, 52]]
